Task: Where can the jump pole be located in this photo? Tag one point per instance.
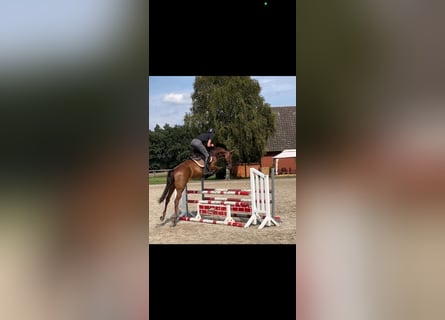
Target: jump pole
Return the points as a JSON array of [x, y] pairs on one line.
[[272, 178], [202, 187]]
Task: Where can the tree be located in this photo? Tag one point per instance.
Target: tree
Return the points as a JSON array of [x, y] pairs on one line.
[[168, 146], [234, 107]]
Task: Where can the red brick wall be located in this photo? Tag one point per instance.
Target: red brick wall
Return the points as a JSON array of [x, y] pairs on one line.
[[288, 164], [267, 161], [242, 170], [285, 165]]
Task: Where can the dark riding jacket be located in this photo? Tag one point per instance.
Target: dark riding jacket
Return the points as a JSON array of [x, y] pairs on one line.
[[205, 137]]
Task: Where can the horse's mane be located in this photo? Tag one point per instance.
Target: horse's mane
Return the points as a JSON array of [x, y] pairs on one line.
[[216, 150], [220, 145]]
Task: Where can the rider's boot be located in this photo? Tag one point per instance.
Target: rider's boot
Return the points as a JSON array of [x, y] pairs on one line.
[[206, 166]]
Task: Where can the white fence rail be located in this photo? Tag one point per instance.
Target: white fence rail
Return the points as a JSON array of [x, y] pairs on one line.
[[162, 172]]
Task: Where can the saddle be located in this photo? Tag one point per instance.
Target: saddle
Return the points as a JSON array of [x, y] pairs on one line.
[[199, 159]]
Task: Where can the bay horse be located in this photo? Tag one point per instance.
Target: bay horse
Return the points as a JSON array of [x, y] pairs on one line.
[[178, 177]]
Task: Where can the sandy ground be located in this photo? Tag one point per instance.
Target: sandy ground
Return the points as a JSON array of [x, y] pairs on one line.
[[203, 233]]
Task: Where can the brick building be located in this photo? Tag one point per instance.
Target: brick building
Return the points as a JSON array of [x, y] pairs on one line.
[[283, 139]]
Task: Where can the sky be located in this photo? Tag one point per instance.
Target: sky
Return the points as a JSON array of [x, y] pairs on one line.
[[169, 97]]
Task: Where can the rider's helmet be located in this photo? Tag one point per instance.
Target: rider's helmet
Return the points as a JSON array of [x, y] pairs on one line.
[[211, 130]]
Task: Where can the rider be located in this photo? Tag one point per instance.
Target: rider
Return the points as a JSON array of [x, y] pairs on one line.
[[201, 143]]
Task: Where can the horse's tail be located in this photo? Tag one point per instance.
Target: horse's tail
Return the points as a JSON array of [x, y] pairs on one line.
[[170, 181]]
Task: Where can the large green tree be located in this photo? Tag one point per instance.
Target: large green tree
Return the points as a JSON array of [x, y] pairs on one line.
[[235, 108]]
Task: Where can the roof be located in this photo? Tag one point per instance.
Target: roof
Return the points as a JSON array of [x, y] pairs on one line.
[[286, 128], [288, 153]]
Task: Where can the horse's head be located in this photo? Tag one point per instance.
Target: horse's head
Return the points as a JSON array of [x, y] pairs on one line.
[[228, 159], [222, 153]]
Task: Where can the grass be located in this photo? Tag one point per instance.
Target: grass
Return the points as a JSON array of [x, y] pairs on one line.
[[157, 180]]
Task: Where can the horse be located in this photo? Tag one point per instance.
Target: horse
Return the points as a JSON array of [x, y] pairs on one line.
[[178, 177]]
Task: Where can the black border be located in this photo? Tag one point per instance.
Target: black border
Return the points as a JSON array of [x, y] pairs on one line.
[[219, 281], [222, 38]]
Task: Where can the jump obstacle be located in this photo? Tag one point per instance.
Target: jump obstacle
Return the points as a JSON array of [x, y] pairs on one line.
[[258, 208]]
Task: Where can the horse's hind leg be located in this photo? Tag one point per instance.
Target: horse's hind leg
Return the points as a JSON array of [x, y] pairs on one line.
[[167, 200], [177, 199]]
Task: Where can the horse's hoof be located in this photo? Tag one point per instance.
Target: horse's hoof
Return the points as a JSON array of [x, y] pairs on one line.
[[161, 218]]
